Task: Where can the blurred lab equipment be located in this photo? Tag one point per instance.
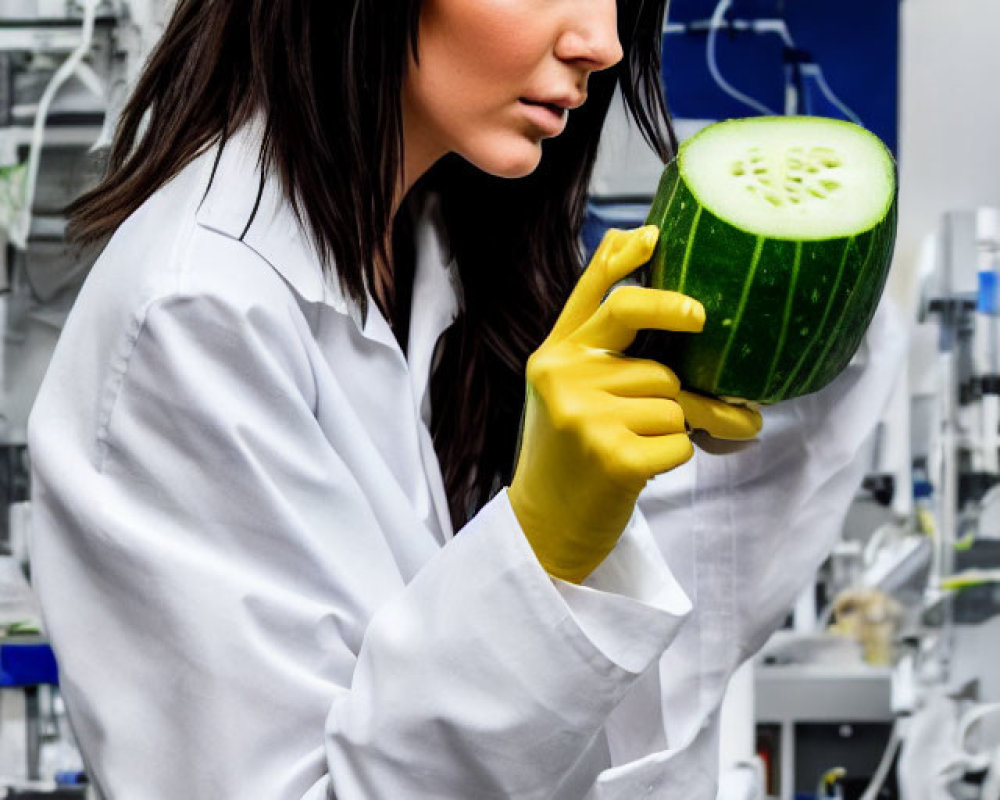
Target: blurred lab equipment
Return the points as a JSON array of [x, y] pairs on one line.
[[63, 65], [929, 562], [870, 617]]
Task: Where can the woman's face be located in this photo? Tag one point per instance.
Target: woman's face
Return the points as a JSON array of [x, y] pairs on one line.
[[496, 77]]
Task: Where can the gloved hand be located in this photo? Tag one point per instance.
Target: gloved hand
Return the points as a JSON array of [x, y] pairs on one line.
[[598, 425], [718, 419]]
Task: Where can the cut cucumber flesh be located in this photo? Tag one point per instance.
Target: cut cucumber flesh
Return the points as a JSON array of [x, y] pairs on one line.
[[789, 277], [803, 178]]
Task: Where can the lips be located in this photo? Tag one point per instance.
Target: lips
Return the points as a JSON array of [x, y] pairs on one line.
[[555, 108], [557, 103], [548, 119]]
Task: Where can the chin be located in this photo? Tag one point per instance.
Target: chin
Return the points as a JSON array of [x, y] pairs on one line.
[[517, 161]]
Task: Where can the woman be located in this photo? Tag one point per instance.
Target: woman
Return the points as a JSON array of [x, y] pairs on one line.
[[299, 367]]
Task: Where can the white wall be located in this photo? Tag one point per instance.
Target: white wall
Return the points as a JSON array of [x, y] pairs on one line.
[[949, 119]]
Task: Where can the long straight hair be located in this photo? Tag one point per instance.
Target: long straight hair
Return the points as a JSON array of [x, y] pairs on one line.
[[326, 79]]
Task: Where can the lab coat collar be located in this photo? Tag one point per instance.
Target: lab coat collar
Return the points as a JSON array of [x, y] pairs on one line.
[[243, 204]]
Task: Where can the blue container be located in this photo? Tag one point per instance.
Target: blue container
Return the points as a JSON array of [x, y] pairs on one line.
[[27, 665]]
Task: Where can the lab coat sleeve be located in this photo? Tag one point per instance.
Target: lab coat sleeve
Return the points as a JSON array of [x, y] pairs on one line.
[[502, 709], [744, 530], [772, 512], [230, 623]]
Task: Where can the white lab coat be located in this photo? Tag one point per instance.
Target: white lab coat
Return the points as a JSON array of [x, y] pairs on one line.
[[249, 576]]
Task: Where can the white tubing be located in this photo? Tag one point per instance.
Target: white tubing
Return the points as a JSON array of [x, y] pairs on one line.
[[713, 67], [19, 233], [815, 72], [882, 772], [777, 26]]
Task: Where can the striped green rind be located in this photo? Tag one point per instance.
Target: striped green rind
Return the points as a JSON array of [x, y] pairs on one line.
[[783, 317]]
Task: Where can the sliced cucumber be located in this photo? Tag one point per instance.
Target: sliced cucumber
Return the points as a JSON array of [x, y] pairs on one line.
[[783, 227]]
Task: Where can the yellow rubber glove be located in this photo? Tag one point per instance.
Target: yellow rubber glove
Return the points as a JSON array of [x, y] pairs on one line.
[[598, 425], [719, 419]]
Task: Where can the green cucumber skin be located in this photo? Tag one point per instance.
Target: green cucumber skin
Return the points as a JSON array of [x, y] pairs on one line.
[[798, 328]]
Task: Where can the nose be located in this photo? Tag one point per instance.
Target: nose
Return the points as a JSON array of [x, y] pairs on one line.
[[591, 35]]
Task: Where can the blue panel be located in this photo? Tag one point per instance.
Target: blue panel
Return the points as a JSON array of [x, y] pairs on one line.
[[856, 42], [989, 294], [27, 665]]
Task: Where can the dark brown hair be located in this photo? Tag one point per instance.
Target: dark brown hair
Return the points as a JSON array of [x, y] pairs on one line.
[[326, 78]]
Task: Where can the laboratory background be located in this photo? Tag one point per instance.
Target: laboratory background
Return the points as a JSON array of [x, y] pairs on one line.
[[885, 680]]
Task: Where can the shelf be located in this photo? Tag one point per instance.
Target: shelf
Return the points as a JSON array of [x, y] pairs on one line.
[[55, 135], [823, 693], [48, 35]]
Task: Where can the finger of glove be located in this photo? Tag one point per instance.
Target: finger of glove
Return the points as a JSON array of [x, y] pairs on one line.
[[620, 253], [650, 416], [719, 419], [650, 456], [636, 377], [630, 309]]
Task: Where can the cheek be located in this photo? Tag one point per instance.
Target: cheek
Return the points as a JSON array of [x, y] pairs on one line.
[[475, 49]]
